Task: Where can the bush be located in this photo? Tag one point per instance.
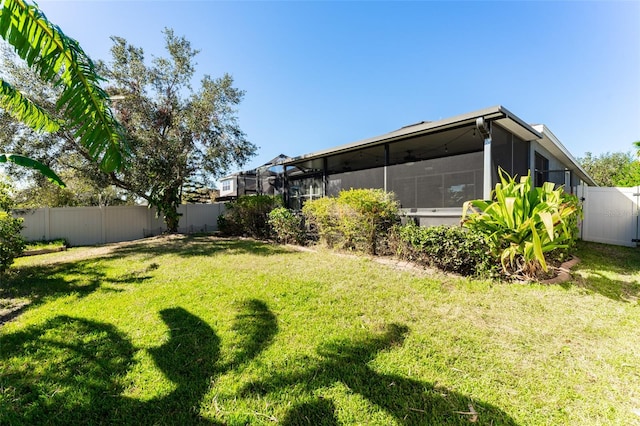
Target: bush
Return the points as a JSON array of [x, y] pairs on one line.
[[451, 249], [286, 226], [248, 215], [522, 224], [358, 219], [11, 242]]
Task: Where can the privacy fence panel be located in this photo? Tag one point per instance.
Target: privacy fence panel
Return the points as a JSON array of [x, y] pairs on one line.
[[611, 215], [98, 225]]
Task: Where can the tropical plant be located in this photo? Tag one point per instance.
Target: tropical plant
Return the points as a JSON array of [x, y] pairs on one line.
[[32, 164], [522, 223], [59, 59]]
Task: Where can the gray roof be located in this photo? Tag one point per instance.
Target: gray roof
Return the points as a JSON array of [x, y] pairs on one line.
[[498, 114]]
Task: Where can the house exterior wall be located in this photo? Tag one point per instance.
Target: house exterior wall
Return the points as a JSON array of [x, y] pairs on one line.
[[231, 191]]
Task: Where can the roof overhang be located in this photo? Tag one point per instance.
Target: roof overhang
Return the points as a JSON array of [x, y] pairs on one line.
[[552, 144], [497, 114]]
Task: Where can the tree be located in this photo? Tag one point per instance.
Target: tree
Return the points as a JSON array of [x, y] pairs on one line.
[[82, 107], [177, 135], [612, 169]]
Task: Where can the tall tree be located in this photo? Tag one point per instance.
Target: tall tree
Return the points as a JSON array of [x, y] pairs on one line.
[[82, 107], [177, 134], [612, 169]]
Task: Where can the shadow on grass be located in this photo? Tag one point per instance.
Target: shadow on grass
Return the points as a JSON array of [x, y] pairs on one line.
[[199, 245], [38, 284], [72, 371], [611, 271], [82, 277], [410, 402], [41, 283]]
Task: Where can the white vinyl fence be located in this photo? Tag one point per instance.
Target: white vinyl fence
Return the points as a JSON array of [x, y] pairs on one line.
[[82, 226], [611, 215]]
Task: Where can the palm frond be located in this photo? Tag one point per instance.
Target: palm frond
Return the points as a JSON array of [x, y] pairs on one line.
[[60, 59], [21, 108], [33, 164]]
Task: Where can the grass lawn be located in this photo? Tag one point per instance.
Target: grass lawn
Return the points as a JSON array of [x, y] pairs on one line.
[[199, 330]]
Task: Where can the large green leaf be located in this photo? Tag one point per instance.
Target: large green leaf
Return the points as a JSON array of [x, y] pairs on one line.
[[32, 164], [21, 108], [60, 59]]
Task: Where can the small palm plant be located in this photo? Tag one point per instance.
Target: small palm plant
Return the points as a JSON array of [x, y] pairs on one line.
[[522, 223]]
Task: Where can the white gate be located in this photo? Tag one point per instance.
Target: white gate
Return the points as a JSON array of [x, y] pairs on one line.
[[611, 215]]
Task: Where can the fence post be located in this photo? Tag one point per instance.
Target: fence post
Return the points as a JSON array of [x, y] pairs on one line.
[[103, 224], [47, 224]]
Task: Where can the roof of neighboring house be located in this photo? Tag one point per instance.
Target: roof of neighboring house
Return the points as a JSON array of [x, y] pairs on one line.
[[497, 114], [280, 159]]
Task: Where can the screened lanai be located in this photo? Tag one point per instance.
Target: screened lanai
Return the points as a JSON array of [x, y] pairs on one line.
[[433, 166]]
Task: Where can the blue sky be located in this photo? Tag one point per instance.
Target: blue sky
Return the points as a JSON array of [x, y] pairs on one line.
[[321, 74]]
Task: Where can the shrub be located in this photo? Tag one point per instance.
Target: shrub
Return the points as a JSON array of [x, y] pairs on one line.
[[286, 225], [358, 219], [248, 215], [11, 242], [522, 223], [452, 249]]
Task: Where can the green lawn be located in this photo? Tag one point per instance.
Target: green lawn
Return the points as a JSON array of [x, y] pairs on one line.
[[199, 330]]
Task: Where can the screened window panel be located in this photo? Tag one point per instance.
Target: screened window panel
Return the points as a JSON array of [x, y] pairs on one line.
[[362, 179], [437, 183], [501, 151]]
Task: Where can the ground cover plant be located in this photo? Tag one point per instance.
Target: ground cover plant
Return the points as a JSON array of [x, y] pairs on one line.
[[199, 330], [46, 244]]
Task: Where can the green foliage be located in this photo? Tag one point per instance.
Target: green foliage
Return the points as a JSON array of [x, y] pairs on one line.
[[79, 191], [286, 225], [180, 136], [11, 242], [59, 59], [612, 169], [358, 219], [33, 164], [21, 108], [249, 215], [47, 244], [522, 223], [452, 249]]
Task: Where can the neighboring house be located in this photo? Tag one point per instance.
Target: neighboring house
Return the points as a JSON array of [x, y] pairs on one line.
[[266, 179], [434, 167]]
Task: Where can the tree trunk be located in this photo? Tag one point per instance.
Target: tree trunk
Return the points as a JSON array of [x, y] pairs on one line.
[[168, 206], [172, 219]]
